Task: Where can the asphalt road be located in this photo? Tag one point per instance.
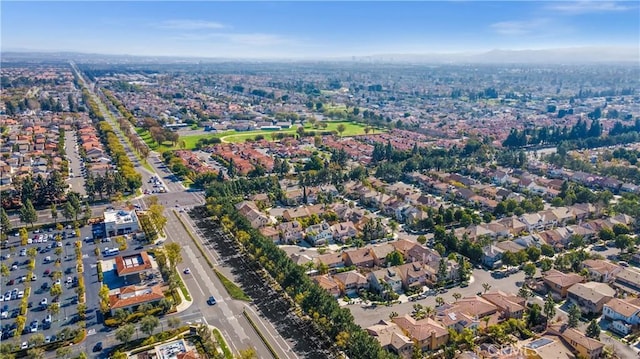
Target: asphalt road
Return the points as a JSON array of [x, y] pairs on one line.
[[227, 314]]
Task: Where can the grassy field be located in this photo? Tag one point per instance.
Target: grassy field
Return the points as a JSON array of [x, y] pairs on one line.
[[234, 291], [351, 129]]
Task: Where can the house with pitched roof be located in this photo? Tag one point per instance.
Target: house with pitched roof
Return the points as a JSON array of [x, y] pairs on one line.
[[559, 282], [601, 270], [329, 284], [590, 297], [585, 346], [428, 334], [361, 257], [624, 314], [491, 256], [333, 261], [131, 297], [510, 305], [392, 338], [390, 276], [628, 280], [351, 282]]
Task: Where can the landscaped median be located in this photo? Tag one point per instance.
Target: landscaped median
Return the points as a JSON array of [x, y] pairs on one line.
[[234, 291], [264, 340]]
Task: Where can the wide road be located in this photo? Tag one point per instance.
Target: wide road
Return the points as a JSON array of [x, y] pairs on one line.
[[227, 314]]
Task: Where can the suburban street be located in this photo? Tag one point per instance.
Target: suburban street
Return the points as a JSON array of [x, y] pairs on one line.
[[227, 314]]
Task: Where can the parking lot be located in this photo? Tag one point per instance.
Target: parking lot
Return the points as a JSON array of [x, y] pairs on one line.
[[49, 311]]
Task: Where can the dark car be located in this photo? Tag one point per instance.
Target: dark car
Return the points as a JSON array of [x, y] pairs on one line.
[[211, 300], [97, 347]]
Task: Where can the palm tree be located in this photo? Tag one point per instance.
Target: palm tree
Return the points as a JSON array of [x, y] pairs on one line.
[[439, 301], [457, 296], [486, 287], [429, 311]]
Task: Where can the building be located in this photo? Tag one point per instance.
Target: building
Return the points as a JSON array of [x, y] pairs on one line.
[[119, 222], [628, 280], [590, 296], [130, 267], [392, 338], [389, 276], [491, 256], [585, 346], [428, 333], [601, 270], [329, 284], [510, 305], [559, 282], [351, 282], [624, 315], [318, 234], [131, 297]]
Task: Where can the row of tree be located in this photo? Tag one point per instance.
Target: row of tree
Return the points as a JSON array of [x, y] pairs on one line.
[[552, 134], [336, 322]]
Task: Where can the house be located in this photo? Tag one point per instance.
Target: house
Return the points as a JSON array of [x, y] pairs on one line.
[[343, 231], [414, 274], [389, 276], [601, 270], [590, 296], [392, 338], [351, 282], [628, 280], [624, 314], [360, 257], [491, 256], [301, 212], [510, 305], [290, 232], [333, 261], [585, 346], [380, 253], [328, 284], [529, 241], [510, 246], [533, 221], [251, 212], [318, 234], [559, 282], [428, 334], [271, 233]]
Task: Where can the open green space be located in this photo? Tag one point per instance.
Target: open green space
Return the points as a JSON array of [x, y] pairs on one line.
[[234, 291], [351, 129]]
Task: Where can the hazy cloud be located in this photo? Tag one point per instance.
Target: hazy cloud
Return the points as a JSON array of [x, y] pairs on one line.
[[514, 28], [190, 25], [583, 7]]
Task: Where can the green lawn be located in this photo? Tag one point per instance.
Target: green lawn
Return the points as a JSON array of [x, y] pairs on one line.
[[351, 129], [234, 291]]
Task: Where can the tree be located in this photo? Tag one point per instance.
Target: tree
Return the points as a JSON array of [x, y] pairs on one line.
[[593, 330], [120, 314], [524, 293], [35, 353], [248, 353], [606, 234], [549, 307], [4, 222], [24, 236], [394, 258], [457, 296], [173, 254], [439, 301], [54, 213], [574, 315], [341, 128], [442, 272], [36, 339], [4, 270], [63, 352], [547, 250], [28, 213], [103, 294], [125, 332], [529, 269], [422, 239], [148, 324], [486, 287], [623, 242], [55, 290], [68, 211]]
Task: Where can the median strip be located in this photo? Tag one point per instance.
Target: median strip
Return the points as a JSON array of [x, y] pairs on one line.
[[264, 340], [234, 290]]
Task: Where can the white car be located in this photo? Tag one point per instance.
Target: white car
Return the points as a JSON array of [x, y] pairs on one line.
[[7, 296], [24, 345], [20, 294], [44, 301]]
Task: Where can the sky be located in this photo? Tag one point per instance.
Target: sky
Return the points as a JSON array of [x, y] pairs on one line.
[[308, 29]]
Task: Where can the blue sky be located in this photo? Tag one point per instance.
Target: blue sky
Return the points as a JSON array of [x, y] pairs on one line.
[[306, 29]]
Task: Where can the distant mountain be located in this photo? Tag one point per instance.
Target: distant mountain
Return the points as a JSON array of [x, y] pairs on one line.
[[553, 56], [577, 55]]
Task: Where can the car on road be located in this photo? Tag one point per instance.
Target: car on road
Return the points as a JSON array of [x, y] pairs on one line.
[[211, 300], [187, 271], [24, 345], [97, 347]]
